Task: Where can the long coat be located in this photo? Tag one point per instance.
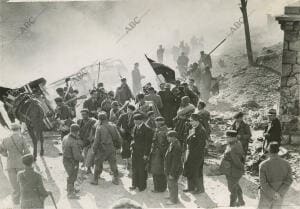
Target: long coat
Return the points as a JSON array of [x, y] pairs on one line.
[[205, 120], [173, 164], [123, 94], [195, 153], [159, 147], [125, 124], [275, 175], [142, 140], [169, 109], [33, 192], [274, 131]]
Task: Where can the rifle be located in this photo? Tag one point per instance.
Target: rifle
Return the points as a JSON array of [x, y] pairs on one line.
[[217, 46], [53, 200]]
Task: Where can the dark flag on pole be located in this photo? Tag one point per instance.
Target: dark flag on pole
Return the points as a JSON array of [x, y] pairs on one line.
[[161, 69]]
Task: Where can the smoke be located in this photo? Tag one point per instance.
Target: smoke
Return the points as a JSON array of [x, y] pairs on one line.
[[70, 35]]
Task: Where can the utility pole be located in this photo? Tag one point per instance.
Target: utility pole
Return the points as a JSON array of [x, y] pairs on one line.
[[243, 8]]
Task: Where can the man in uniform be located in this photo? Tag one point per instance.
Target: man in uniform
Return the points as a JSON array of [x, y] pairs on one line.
[[14, 147], [182, 64], [155, 98], [193, 87], [160, 54], [123, 93], [159, 147], [63, 114], [275, 176], [136, 79], [71, 158], [243, 131], [107, 140], [273, 131], [92, 104], [205, 60], [173, 166], [32, 190], [142, 139], [85, 133]]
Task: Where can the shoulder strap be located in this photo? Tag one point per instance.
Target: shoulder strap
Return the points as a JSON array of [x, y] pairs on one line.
[[21, 153]]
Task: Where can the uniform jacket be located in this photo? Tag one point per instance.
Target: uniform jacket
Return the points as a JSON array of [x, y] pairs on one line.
[[91, 105], [243, 130], [63, 112], [32, 190], [105, 138], [205, 120], [126, 123], [158, 151], [275, 175], [173, 164], [235, 155], [123, 94], [274, 131], [142, 140], [72, 148], [86, 129], [14, 147], [196, 142]]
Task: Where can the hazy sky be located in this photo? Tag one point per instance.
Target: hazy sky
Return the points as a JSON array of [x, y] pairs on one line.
[[67, 36]]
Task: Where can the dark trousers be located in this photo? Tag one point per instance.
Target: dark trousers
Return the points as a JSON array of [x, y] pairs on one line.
[[71, 167], [236, 193], [110, 156], [12, 175], [195, 182], [139, 172], [160, 182], [173, 189]]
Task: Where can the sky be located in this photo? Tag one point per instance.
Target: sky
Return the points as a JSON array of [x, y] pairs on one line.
[[62, 37]]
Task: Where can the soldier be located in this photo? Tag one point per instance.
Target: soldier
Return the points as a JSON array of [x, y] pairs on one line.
[[173, 166], [107, 140], [160, 54], [71, 158], [204, 117], [142, 139], [193, 87], [136, 79], [182, 64], [63, 113], [155, 98], [193, 166], [205, 60], [14, 147], [92, 104], [33, 192], [151, 120], [273, 131], [232, 165], [275, 176], [169, 109], [243, 131], [85, 133], [158, 151], [125, 124], [123, 93]]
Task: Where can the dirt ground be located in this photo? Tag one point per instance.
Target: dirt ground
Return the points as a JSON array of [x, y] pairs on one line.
[[102, 196]]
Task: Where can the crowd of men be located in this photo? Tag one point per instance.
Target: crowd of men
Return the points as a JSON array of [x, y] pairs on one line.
[[160, 132]]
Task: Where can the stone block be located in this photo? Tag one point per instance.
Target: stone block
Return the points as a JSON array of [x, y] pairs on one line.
[[294, 45], [292, 81], [286, 45], [295, 69], [289, 57], [291, 35], [290, 10], [284, 80], [287, 69]]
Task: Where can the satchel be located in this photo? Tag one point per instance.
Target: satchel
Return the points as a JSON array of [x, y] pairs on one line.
[[225, 166]]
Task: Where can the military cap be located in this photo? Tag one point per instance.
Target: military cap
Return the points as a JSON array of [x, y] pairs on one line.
[[85, 110], [138, 117], [272, 112], [160, 119], [102, 116], [100, 85], [74, 128], [231, 133], [110, 93], [93, 91], [15, 126], [195, 117], [123, 79], [28, 159], [172, 134], [58, 99], [151, 89], [67, 79], [238, 115], [114, 103], [150, 113], [59, 90], [167, 86]]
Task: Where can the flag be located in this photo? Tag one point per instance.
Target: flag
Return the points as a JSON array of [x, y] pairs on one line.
[[161, 69]]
